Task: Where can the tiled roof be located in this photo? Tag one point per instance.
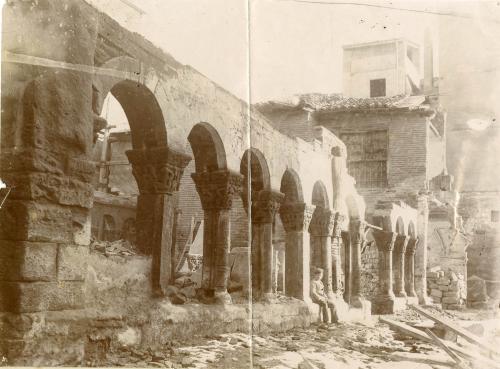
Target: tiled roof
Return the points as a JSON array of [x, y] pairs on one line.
[[338, 103]]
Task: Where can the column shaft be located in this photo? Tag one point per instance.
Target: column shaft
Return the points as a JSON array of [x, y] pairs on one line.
[[337, 272], [321, 229], [264, 209], [357, 236], [216, 190], [296, 218], [158, 173], [384, 302], [399, 267], [410, 267], [346, 240]]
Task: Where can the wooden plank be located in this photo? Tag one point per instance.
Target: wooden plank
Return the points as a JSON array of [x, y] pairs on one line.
[[443, 346], [458, 330], [478, 360]]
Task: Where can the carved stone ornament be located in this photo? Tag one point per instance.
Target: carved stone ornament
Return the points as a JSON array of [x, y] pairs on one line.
[[322, 222], [412, 246], [400, 244], [384, 240], [157, 170], [296, 217], [217, 188], [337, 228], [266, 205]]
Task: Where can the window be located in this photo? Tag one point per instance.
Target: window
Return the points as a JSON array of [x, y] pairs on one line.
[[495, 216], [377, 87], [367, 157]]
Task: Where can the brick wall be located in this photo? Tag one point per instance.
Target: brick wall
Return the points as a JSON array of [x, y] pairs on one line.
[[407, 157]]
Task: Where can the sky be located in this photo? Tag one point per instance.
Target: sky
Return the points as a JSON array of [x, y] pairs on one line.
[[294, 47]]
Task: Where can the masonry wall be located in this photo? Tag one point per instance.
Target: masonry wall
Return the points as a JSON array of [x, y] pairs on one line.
[[369, 271]]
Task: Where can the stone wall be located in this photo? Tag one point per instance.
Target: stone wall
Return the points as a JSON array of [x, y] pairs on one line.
[[447, 288], [369, 271]]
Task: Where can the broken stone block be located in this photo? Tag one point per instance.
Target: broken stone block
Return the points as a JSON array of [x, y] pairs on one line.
[[443, 281], [449, 300], [436, 293], [476, 289]]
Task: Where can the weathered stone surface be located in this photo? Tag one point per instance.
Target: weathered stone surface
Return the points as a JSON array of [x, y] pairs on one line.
[[476, 290], [59, 189], [72, 262], [28, 297], [35, 221], [27, 261]]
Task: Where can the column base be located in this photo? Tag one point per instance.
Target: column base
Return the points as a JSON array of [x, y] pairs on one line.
[[268, 298], [412, 300], [388, 305], [357, 301], [222, 298], [424, 300]]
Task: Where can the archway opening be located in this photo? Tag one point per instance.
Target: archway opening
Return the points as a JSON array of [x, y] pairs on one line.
[[134, 121]]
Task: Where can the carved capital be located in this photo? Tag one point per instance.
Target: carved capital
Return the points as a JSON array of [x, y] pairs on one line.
[[265, 206], [401, 243], [322, 222], [157, 170], [357, 228], [217, 188], [337, 228], [384, 240], [296, 217], [412, 246]]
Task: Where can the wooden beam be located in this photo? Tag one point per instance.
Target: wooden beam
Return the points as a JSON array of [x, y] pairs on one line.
[[458, 330], [446, 349], [478, 360]]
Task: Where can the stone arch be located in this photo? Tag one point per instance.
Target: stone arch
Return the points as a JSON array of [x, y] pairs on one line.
[[208, 149], [259, 170], [320, 195], [399, 226], [134, 88], [291, 187], [147, 125], [254, 167], [412, 232]]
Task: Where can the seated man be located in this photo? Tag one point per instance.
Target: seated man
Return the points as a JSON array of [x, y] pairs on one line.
[[318, 296]]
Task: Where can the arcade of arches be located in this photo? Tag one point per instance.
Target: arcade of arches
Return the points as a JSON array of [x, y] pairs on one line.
[[301, 206]]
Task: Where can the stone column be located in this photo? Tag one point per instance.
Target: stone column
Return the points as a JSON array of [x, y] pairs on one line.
[[264, 209], [410, 267], [346, 240], [216, 190], [399, 264], [296, 218], [421, 252], [384, 301], [357, 238], [337, 273], [321, 229], [158, 173]]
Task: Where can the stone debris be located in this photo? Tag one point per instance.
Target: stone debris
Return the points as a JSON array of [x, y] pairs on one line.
[[447, 288], [113, 248]]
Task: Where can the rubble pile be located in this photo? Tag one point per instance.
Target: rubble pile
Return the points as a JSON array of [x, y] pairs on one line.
[[112, 248], [447, 288]]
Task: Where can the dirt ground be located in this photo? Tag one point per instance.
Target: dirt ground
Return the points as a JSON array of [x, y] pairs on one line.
[[345, 345]]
